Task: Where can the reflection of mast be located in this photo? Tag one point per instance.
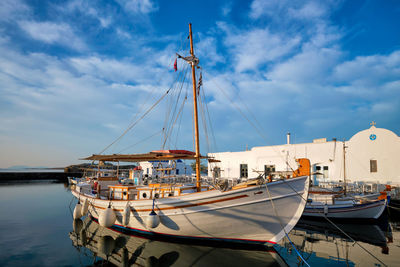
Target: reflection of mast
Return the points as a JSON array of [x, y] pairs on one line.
[[196, 124]]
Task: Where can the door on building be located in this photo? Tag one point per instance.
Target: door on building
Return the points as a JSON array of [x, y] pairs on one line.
[[373, 165]]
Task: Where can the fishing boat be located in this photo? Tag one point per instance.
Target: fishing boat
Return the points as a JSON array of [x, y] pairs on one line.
[[256, 211], [341, 207]]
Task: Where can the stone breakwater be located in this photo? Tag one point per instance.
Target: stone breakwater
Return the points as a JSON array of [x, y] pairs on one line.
[[7, 177]]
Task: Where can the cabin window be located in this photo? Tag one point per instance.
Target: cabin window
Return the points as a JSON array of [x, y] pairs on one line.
[[325, 168], [317, 168], [243, 171], [373, 165]]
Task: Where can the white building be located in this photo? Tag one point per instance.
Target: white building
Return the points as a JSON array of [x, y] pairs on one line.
[[164, 168], [371, 155]]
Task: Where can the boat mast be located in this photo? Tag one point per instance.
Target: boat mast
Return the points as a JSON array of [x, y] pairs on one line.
[[196, 123]]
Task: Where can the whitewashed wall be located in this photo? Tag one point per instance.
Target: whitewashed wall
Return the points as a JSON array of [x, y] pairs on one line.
[[377, 144], [359, 150]]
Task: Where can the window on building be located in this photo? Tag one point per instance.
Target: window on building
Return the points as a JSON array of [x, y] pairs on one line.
[[268, 169], [325, 172], [373, 165], [177, 171], [243, 171], [216, 172]]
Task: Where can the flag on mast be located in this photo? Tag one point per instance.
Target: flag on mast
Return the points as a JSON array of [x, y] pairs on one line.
[[200, 83]]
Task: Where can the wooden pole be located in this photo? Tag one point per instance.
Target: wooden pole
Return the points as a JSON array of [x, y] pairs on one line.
[[196, 120]]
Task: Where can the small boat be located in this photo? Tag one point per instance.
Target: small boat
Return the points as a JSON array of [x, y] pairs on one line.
[[340, 207], [257, 211]]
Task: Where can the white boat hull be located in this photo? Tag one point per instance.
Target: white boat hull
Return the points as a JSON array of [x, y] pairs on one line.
[[242, 215], [369, 210]]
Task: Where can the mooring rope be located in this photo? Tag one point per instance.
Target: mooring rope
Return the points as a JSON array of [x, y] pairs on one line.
[[331, 222], [283, 228]]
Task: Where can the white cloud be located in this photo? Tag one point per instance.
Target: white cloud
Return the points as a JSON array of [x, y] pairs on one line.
[[50, 101], [310, 10], [384, 107], [53, 33], [114, 70], [295, 76], [307, 67], [105, 22], [123, 34], [207, 49], [253, 48], [286, 10], [260, 7], [88, 8], [13, 9], [369, 70], [226, 9], [138, 6]]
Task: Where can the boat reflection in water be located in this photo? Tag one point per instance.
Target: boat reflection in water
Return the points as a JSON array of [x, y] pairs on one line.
[[322, 243], [108, 246]]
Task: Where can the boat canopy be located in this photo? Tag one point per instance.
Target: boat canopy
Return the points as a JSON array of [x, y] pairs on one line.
[[153, 155]]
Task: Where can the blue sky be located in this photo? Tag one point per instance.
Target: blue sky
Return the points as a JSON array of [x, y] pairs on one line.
[[74, 74]]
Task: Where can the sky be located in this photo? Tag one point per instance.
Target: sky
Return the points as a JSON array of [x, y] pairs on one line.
[[75, 74]]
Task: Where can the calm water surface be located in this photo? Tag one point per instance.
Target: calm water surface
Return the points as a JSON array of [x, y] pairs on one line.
[[37, 229]]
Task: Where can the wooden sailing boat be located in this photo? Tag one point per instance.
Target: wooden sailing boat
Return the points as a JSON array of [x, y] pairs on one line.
[[257, 212]]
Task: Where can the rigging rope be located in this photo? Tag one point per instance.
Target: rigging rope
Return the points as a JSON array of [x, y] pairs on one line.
[[144, 139], [184, 45], [131, 126], [209, 121], [176, 118], [171, 120], [180, 119]]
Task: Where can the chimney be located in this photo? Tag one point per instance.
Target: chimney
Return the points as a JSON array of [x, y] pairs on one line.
[[288, 138]]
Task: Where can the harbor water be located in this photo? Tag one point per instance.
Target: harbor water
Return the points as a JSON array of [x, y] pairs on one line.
[[37, 229]]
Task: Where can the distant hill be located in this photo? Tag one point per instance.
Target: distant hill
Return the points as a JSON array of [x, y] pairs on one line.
[[19, 167]]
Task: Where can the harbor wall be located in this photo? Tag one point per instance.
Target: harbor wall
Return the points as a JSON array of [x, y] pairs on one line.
[[6, 177]]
